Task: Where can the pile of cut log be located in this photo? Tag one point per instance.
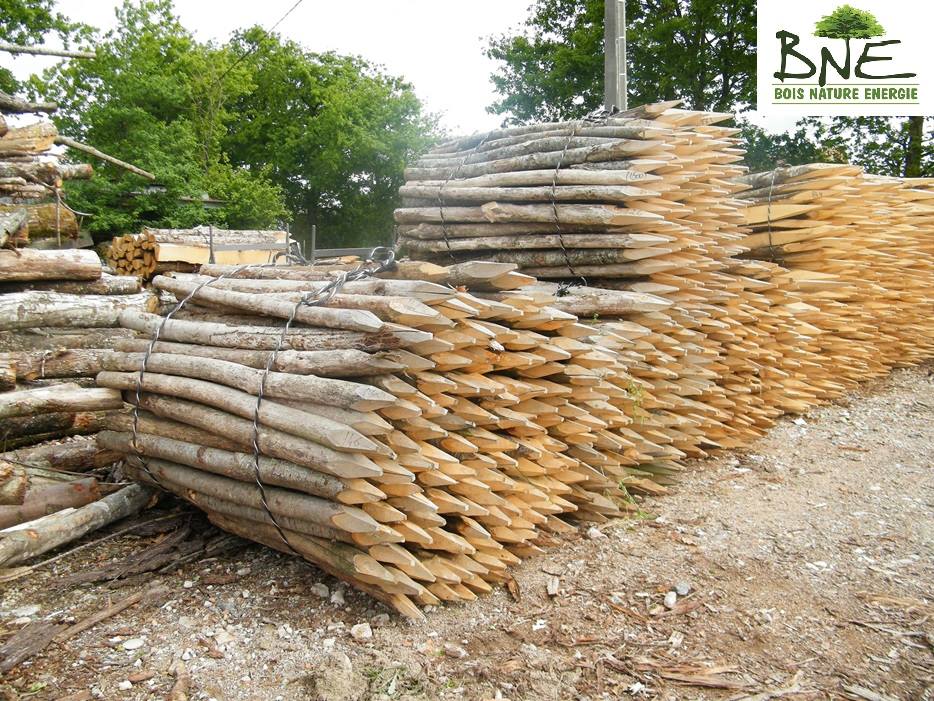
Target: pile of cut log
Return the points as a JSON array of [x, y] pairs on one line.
[[156, 251], [58, 317], [31, 208], [411, 438]]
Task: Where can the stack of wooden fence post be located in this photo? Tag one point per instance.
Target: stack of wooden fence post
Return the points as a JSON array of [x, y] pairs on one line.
[[414, 439], [58, 316], [644, 201], [165, 250], [649, 201], [858, 249]]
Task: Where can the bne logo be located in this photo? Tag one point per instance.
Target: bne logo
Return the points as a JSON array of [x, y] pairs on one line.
[[823, 58], [846, 23]]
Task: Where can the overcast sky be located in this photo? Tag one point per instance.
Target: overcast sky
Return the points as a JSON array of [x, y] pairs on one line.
[[437, 45]]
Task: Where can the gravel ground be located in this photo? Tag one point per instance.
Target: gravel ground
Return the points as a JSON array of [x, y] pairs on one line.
[[800, 569]]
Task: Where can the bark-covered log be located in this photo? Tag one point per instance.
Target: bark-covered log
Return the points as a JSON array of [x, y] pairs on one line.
[[537, 258], [8, 104], [51, 338], [14, 482], [454, 192], [22, 310], [48, 172], [614, 151], [78, 454], [585, 302], [412, 289], [90, 150], [106, 285], [235, 465], [57, 364], [147, 422], [272, 442], [336, 363], [7, 373], [272, 414], [13, 225], [350, 320], [533, 241], [28, 264], [30, 540], [22, 431], [44, 499], [280, 501], [602, 215], [275, 385], [259, 338], [60, 398], [47, 220], [32, 138]]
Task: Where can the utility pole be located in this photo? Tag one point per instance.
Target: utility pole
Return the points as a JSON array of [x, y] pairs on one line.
[[615, 55]]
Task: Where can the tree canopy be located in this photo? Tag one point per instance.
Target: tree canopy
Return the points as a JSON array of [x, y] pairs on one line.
[[701, 51], [29, 22], [847, 22], [278, 133], [334, 131]]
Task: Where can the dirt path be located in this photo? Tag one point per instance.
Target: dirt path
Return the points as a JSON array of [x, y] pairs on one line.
[[806, 564]]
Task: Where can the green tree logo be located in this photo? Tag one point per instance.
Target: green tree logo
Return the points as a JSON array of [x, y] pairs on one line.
[[848, 22]]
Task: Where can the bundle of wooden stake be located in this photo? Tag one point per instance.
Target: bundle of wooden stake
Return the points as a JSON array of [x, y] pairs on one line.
[[165, 250], [412, 439]]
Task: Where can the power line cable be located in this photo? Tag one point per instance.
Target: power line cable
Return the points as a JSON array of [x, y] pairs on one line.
[[266, 32]]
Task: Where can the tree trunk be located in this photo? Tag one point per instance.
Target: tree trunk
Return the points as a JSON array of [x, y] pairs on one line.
[[106, 285], [57, 364], [33, 138], [23, 310], [280, 501], [51, 338], [915, 152], [457, 193], [494, 212], [259, 338], [235, 465], [22, 431]]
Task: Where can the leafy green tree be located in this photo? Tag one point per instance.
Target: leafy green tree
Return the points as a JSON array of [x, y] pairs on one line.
[[29, 22], [881, 145], [701, 51], [765, 151], [334, 131], [157, 98]]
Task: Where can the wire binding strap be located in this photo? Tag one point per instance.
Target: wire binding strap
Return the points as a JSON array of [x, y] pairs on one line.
[[451, 176], [379, 260]]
